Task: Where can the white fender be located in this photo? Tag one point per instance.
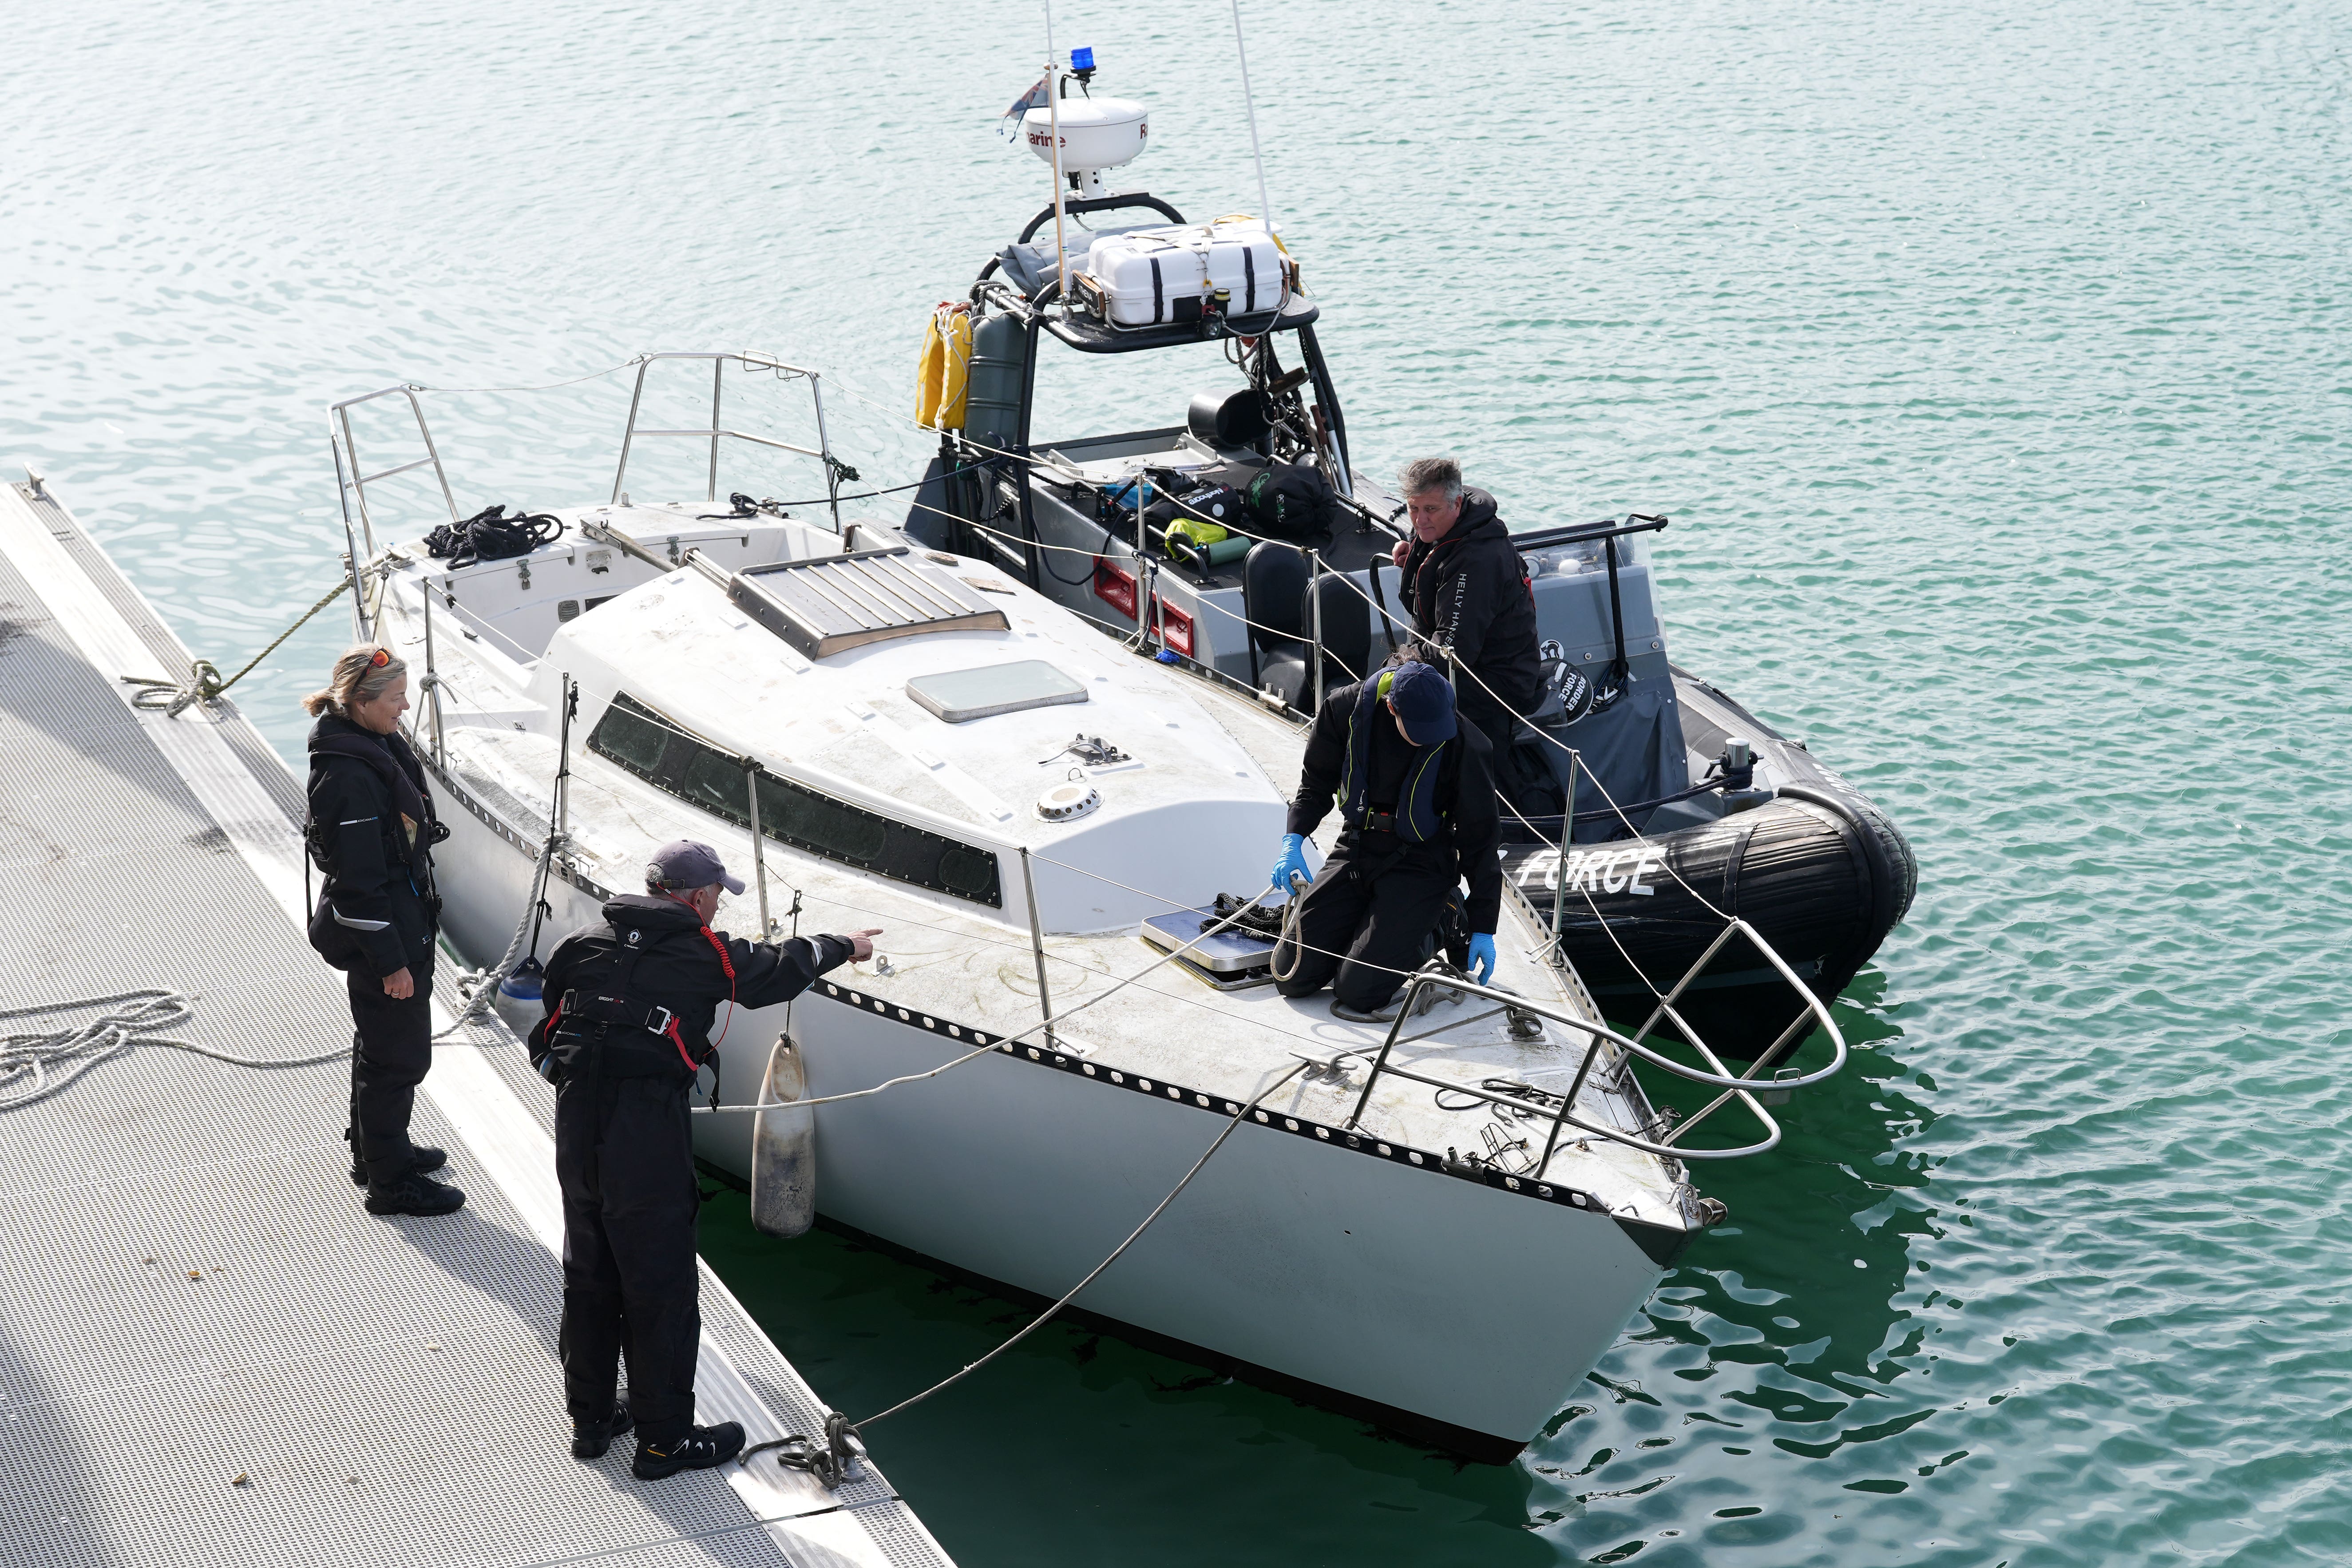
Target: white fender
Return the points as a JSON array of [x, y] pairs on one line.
[[784, 1149]]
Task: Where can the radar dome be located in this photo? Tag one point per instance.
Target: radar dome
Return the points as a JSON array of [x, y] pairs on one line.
[[1097, 133]]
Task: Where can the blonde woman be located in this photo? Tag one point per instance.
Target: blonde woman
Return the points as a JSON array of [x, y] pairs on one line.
[[372, 831]]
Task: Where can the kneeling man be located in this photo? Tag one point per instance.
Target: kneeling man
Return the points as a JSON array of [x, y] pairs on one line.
[[1414, 787]]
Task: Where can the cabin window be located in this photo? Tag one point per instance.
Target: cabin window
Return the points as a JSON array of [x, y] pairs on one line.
[[639, 741], [632, 742]]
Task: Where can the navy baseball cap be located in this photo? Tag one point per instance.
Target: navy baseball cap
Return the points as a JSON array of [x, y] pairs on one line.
[[682, 863], [1424, 700]]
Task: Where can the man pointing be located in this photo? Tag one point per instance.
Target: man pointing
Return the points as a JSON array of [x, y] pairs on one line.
[[630, 1003]]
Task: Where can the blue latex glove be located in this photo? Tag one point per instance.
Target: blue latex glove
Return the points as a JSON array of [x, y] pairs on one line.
[[1293, 860], [1481, 957]]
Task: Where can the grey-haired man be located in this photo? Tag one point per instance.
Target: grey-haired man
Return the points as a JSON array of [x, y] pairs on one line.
[[1472, 612], [630, 1002]]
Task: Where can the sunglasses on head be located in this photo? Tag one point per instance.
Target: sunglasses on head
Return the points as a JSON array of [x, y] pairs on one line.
[[382, 657]]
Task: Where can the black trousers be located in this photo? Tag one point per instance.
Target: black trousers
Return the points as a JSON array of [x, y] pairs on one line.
[[1499, 725], [391, 1050], [625, 1159], [1367, 922]]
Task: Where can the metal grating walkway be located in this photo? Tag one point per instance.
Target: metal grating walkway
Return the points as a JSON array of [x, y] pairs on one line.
[[190, 1291]]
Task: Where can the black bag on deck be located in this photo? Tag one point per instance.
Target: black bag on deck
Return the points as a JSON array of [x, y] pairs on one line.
[[1291, 501]]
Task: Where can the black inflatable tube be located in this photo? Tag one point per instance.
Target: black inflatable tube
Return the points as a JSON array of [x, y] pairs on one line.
[[1886, 880]]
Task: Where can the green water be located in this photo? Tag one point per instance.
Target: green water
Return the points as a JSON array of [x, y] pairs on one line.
[[1993, 364]]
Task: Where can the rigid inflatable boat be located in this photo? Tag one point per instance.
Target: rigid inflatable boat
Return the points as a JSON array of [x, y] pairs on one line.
[[1800, 854], [1689, 809]]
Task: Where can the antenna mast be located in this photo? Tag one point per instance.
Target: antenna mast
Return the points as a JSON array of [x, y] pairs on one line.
[[1054, 123], [1266, 206]]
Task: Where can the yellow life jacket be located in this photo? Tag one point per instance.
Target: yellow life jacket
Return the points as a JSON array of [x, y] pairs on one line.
[[942, 378]]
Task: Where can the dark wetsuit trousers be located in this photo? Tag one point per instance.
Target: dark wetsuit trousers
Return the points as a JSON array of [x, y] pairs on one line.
[[625, 1159], [1367, 920], [391, 1050]]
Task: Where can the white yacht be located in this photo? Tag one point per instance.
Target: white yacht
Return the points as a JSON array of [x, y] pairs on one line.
[[1440, 1224]]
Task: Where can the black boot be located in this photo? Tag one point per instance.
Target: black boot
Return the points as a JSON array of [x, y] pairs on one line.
[[428, 1158], [415, 1195], [591, 1438], [700, 1449]]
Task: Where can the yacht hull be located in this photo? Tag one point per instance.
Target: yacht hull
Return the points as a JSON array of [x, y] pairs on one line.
[[1460, 1313]]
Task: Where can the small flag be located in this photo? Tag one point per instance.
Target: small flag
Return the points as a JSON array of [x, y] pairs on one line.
[[1037, 97]]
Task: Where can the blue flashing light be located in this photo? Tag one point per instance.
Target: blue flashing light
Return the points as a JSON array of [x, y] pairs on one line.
[[1082, 59]]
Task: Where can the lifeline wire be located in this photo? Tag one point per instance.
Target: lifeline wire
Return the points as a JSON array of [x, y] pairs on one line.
[[549, 387], [27, 1058], [1009, 1040]]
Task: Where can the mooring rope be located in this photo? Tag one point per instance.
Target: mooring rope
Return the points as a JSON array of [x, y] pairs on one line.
[[36, 1063], [204, 683], [828, 1459]]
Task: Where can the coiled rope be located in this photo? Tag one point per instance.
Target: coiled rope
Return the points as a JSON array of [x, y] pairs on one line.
[[36, 1063], [491, 535]]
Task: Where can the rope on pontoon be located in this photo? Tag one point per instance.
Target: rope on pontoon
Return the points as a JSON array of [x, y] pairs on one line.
[[36, 1063]]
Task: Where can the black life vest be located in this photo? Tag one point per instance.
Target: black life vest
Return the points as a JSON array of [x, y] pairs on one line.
[[1417, 818], [608, 1028]]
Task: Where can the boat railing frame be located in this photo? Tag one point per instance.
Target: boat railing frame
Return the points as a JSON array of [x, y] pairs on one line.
[[750, 360], [1740, 1087], [351, 483]]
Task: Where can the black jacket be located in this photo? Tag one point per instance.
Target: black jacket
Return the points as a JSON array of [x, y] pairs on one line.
[[679, 968], [372, 831], [1470, 603], [1465, 793]]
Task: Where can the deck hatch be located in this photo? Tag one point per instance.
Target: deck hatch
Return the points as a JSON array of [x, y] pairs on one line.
[[837, 603], [959, 696]]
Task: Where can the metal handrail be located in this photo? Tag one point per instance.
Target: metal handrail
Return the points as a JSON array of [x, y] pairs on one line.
[[1734, 1087], [749, 360], [357, 482], [1816, 1011]]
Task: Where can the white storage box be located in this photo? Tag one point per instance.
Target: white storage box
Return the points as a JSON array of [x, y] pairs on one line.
[[1244, 260], [1148, 276]]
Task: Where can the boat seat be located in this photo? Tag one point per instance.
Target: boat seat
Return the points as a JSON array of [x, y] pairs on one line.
[[1229, 421], [1274, 599], [1276, 584]]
